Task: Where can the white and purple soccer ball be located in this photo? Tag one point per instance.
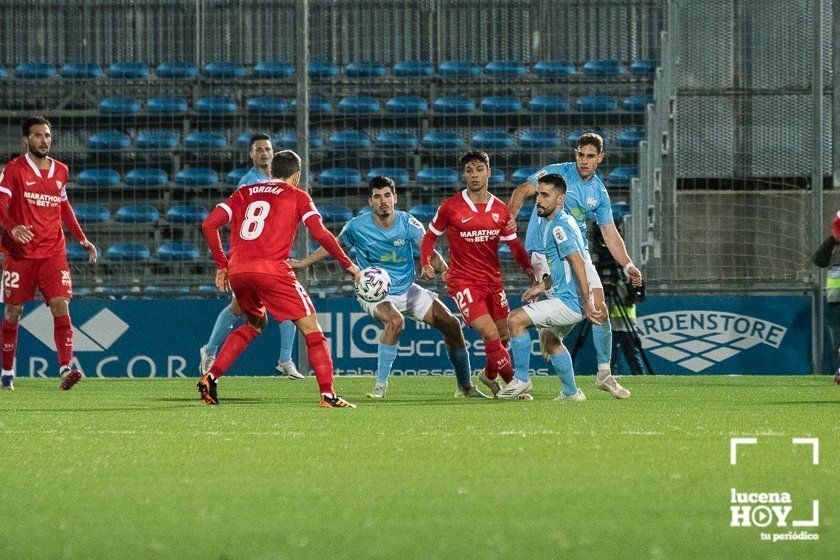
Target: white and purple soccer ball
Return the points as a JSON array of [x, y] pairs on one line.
[[375, 284]]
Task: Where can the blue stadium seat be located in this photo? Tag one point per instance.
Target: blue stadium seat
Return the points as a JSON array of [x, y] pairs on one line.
[[409, 105], [196, 176], [223, 70], [320, 70], [215, 105], [157, 140], [34, 71], [521, 175], [167, 290], [128, 252], [455, 104], [399, 175], [643, 67], [111, 140], [630, 137], [167, 106], [80, 71], [268, 105], [501, 104], [205, 141], [335, 213], [348, 140], [437, 177], [98, 178], [137, 214], [365, 69], [413, 68], [176, 70], [636, 103], [273, 70], [525, 212], [358, 105], [396, 140], [443, 140], [288, 141], [619, 210], [539, 139], [505, 68], [76, 253], [554, 69], [2, 72], [548, 104], [364, 210], [243, 141], [317, 105], [505, 252], [186, 214], [178, 252], [603, 68], [620, 176], [236, 175], [91, 213], [458, 68], [423, 212], [146, 177], [492, 140], [596, 104], [497, 176], [118, 106], [128, 70], [339, 177]]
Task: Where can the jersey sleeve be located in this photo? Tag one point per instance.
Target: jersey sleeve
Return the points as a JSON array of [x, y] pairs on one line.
[[506, 233], [347, 235], [230, 205], [440, 221], [416, 231], [603, 212], [305, 207], [535, 178], [8, 181], [562, 240]]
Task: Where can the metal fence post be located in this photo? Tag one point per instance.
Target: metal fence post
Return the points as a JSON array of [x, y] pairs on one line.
[[302, 132], [817, 314]]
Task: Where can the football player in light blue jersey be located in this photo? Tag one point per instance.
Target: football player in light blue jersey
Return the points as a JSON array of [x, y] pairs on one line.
[[567, 304], [261, 152], [390, 239], [586, 198]]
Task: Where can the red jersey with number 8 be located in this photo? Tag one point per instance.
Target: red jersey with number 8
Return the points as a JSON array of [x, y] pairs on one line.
[[264, 219]]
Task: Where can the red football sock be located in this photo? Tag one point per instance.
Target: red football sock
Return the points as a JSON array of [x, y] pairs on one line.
[[234, 345], [320, 360], [9, 332], [63, 335], [499, 359]]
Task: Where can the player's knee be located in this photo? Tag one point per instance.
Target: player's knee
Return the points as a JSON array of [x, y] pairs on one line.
[[13, 312], [395, 323], [451, 329], [59, 307], [257, 322], [235, 309]]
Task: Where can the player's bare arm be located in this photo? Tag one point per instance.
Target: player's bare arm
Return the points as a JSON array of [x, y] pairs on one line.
[[517, 200], [615, 244], [315, 256], [579, 272]]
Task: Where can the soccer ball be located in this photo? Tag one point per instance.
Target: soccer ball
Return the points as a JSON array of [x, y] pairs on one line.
[[375, 284]]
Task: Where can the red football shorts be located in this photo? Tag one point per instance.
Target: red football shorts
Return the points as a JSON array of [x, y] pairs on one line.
[[22, 276], [283, 296], [475, 301]]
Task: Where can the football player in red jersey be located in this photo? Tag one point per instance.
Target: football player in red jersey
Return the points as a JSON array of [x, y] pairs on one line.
[[264, 219], [474, 221], [33, 206]]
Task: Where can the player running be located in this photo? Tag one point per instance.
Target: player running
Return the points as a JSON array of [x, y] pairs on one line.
[[261, 151], [389, 239], [586, 197], [474, 221], [264, 219], [567, 303], [33, 205]]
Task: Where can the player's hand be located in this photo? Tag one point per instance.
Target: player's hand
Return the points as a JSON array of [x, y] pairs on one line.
[[512, 223], [354, 273], [222, 280], [22, 234], [635, 276], [835, 227], [295, 264], [532, 293], [592, 313], [443, 274], [91, 250], [532, 276], [427, 272]]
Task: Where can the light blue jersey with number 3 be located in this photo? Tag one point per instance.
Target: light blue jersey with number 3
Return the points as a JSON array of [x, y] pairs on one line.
[[563, 238]]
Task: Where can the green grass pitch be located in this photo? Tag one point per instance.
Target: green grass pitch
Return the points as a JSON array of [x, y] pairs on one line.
[[143, 469]]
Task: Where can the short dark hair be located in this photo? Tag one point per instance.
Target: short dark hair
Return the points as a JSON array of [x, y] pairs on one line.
[[475, 155], [556, 181], [29, 122], [285, 164], [257, 137], [591, 139], [382, 182]]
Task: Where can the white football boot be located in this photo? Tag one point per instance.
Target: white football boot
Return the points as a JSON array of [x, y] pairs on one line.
[[289, 370], [577, 397], [515, 388]]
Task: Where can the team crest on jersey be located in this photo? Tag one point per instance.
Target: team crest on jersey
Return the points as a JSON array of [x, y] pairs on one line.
[[495, 216], [591, 202], [399, 242], [559, 234], [59, 185]]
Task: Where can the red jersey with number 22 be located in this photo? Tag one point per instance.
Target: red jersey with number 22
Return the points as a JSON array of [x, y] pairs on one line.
[[264, 219], [473, 232]]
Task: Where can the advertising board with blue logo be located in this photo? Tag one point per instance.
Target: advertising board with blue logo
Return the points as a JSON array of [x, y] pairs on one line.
[[162, 337]]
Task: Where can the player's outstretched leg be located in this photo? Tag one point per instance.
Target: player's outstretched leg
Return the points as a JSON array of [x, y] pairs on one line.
[[602, 339], [285, 365], [223, 325], [520, 344], [320, 360], [393, 323], [232, 348], [439, 317]]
